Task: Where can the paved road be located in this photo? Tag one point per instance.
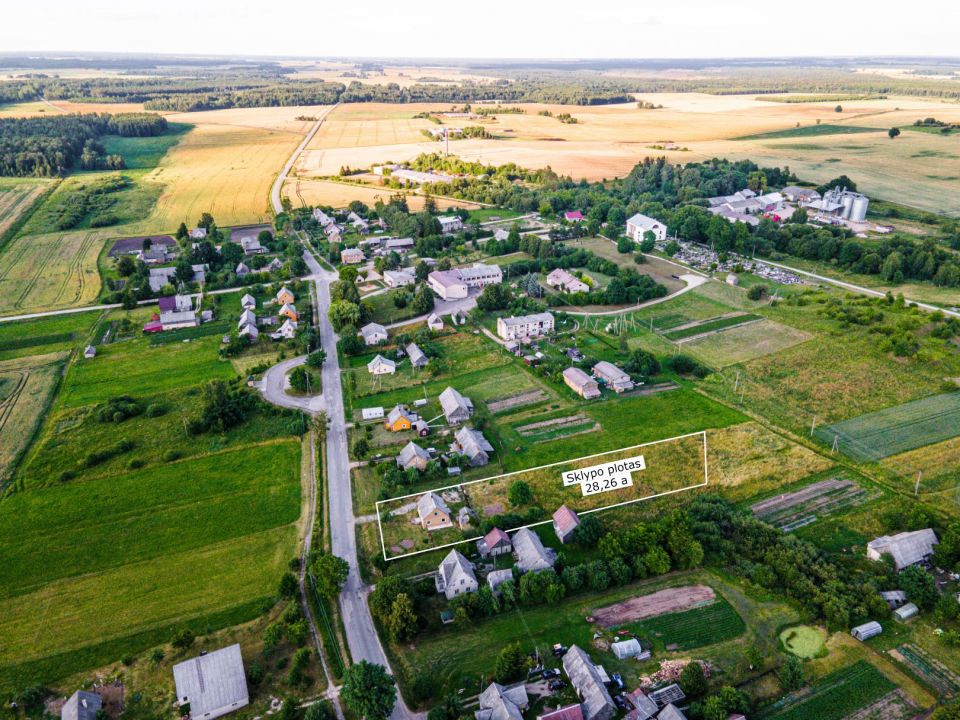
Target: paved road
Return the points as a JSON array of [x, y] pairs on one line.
[[275, 192], [274, 385]]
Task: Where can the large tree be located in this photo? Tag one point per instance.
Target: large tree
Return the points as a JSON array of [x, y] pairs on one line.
[[330, 573], [369, 691]]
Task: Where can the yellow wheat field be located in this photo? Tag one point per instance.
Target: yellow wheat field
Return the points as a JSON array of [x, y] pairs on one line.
[[307, 191]]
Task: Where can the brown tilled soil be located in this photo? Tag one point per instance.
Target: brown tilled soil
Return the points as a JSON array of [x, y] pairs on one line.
[[525, 398], [662, 601]]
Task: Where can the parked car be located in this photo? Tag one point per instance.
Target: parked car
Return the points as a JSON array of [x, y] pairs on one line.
[[557, 684], [550, 673]]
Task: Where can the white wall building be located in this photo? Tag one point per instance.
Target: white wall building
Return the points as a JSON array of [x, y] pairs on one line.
[[639, 224], [525, 326]]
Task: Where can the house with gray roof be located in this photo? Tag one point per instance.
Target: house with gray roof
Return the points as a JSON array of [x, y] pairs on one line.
[[496, 578], [82, 705], [158, 277], [413, 456], [587, 681], [373, 333], [530, 553], [671, 712], [456, 408], [381, 366], [213, 684], [906, 548], [455, 576], [433, 512], [499, 702], [473, 445], [417, 357]]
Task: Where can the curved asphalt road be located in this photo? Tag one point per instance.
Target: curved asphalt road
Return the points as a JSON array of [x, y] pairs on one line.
[[274, 386]]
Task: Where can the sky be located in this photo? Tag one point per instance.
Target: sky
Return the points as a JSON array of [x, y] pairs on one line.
[[491, 29]]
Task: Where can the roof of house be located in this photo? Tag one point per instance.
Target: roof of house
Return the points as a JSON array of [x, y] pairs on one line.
[[446, 278], [472, 442], [242, 269], [644, 221], [381, 360], [586, 679], [212, 681], [527, 319], [573, 215], [416, 355], [646, 707], [429, 502], [248, 299], [570, 712], [498, 702], [399, 411], [577, 376], [907, 548], [452, 402], [565, 519], [671, 712], [434, 319], [399, 276], [82, 705], [410, 451], [455, 566], [531, 554], [496, 536], [170, 318], [373, 330], [498, 577]]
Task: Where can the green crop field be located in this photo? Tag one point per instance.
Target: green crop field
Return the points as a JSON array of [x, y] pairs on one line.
[[697, 627], [708, 326], [145, 153], [811, 131], [896, 429], [45, 335], [834, 696]]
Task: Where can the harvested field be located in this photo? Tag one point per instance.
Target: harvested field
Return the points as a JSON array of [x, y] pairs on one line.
[[26, 387], [16, 197], [933, 672], [793, 510], [310, 191], [663, 601], [514, 401], [896, 429], [701, 328], [132, 244]]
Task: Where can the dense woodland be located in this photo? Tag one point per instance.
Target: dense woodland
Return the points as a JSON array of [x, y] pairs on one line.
[[50, 146]]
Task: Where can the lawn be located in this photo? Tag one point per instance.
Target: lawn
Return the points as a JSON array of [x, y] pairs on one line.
[[833, 696], [133, 367], [803, 641], [897, 429], [708, 326], [745, 343], [385, 312]]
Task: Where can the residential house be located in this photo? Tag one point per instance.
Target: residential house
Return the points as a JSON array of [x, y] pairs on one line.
[[494, 543], [175, 303], [565, 282], [82, 705], [398, 278], [530, 553], [358, 222], [285, 296], [289, 311], [573, 216], [252, 246], [643, 706], [287, 331], [274, 265], [250, 331], [400, 419], [417, 357], [373, 334], [158, 277], [434, 322], [612, 376], [498, 702], [581, 383], [671, 712], [198, 233], [247, 317], [242, 270], [381, 366], [525, 326], [568, 712], [455, 576], [433, 512], [213, 684], [176, 320], [351, 256], [906, 548], [455, 284], [155, 254], [321, 217], [456, 408], [398, 245], [639, 225], [496, 578], [248, 302], [565, 523], [450, 224], [587, 681], [472, 445], [199, 272], [413, 456]]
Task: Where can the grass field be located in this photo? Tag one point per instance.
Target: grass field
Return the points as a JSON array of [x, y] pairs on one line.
[[145, 153], [803, 641], [810, 131], [709, 326], [694, 628], [16, 197], [26, 388], [834, 696], [45, 335], [745, 343], [896, 429]]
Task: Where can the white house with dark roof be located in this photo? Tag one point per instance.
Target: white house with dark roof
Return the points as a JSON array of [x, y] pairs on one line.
[[455, 576], [213, 684], [638, 225], [530, 553], [906, 548], [588, 682], [456, 408]]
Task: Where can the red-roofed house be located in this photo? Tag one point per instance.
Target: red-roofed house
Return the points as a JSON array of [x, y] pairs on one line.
[[565, 522], [570, 712], [573, 216], [495, 542]]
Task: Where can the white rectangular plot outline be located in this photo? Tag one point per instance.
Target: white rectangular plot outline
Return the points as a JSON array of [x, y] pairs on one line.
[[705, 482]]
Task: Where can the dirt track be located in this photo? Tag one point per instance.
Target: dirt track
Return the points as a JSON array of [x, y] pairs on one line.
[[658, 603]]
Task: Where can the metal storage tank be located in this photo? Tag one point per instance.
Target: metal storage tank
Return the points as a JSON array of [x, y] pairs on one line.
[[847, 200], [858, 213]]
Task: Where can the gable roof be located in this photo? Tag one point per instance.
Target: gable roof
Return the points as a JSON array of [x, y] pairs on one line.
[[399, 411], [644, 221], [429, 502], [472, 442], [411, 451], [907, 548], [416, 355], [82, 705], [381, 360], [452, 403], [454, 567], [570, 712], [496, 536], [211, 682], [532, 556], [585, 677], [498, 702], [565, 519], [248, 299], [671, 712], [372, 330]]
